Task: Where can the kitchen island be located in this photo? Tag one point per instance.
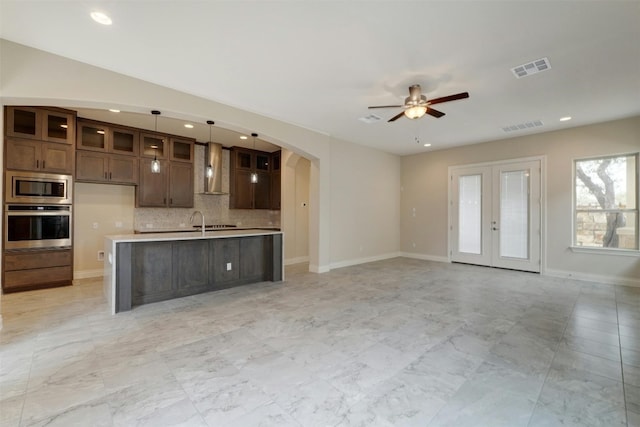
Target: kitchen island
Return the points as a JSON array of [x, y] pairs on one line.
[[145, 268]]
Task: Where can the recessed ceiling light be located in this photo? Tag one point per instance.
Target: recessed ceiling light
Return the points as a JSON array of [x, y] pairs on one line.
[[427, 145], [113, 110], [188, 125], [101, 18], [243, 137], [565, 119]]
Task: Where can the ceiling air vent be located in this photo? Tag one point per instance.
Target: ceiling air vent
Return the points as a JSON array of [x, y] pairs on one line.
[[371, 118], [531, 68], [523, 126]]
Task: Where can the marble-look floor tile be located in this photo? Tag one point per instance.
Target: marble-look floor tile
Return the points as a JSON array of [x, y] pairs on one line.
[[400, 342], [633, 419]]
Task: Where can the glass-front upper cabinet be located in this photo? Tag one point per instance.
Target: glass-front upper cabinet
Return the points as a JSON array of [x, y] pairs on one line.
[[124, 141], [39, 123], [92, 136], [262, 161], [153, 145], [181, 150]]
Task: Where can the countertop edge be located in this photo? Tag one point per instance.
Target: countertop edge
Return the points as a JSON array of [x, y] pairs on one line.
[[188, 235]]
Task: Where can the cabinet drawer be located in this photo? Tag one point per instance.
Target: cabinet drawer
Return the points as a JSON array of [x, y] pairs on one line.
[[36, 277], [36, 260]]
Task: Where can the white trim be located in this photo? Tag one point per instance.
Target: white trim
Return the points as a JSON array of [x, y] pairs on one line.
[[313, 268], [576, 275], [357, 261], [425, 257], [297, 260], [603, 251], [87, 274]]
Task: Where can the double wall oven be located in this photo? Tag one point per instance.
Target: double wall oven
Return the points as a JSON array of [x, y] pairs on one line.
[[38, 210]]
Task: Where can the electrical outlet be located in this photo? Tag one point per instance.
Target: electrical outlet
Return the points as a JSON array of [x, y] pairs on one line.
[[95, 225], [100, 255], [228, 266]]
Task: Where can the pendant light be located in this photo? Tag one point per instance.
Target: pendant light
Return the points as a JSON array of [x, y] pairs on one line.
[[209, 170], [254, 174], [155, 163]]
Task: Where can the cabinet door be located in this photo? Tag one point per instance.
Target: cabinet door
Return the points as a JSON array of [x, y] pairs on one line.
[[191, 266], [262, 191], [224, 252], [24, 122], [252, 263], [152, 187], [275, 190], [57, 158], [153, 145], [123, 169], [92, 136], [181, 150], [23, 154], [242, 192], [181, 185], [243, 159], [151, 274], [91, 166], [58, 127], [262, 162], [124, 141]]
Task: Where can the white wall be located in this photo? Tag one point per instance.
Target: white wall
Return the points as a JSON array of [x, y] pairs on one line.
[[365, 189], [33, 77], [295, 207], [425, 182]]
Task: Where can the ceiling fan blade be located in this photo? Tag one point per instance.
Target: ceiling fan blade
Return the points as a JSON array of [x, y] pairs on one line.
[[386, 106], [461, 95], [435, 113], [396, 117]]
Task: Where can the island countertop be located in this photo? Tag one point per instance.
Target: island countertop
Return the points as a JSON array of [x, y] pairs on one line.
[[188, 235], [115, 244]]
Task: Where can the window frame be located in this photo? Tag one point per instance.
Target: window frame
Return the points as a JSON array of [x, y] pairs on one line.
[[636, 211]]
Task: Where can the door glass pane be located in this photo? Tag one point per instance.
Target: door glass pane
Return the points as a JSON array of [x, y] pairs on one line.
[[93, 137], [57, 126], [123, 141], [24, 121], [470, 214], [514, 214]]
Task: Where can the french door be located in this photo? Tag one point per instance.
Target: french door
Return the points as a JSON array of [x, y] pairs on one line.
[[495, 215]]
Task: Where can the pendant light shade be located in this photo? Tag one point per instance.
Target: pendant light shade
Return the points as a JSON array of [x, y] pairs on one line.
[[155, 163], [254, 175], [209, 169]]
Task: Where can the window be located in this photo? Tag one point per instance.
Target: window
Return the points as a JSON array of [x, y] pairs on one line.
[[606, 202]]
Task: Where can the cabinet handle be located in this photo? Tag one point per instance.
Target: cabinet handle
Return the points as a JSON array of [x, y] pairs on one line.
[[164, 201], [43, 164], [105, 175], [37, 164], [171, 201], [110, 176]]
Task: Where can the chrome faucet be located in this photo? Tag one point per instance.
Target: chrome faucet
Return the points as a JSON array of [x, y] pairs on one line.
[[193, 215]]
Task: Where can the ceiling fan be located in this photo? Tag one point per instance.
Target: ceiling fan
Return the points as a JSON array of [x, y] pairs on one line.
[[416, 104]]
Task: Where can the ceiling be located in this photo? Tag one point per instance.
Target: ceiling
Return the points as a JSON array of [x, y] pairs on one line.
[[319, 64]]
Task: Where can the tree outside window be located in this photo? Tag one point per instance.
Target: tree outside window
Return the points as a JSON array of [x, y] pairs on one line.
[[606, 207]]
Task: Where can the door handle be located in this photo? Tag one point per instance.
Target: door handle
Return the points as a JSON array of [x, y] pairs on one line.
[[495, 228]]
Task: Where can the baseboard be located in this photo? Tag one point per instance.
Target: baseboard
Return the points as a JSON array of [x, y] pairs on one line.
[[357, 261], [576, 275], [297, 260], [424, 257], [88, 274], [313, 268]]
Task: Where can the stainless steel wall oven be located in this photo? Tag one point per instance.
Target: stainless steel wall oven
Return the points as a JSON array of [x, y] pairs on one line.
[[37, 226]]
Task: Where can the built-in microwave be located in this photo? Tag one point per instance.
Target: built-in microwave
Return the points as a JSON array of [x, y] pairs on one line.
[[38, 188]]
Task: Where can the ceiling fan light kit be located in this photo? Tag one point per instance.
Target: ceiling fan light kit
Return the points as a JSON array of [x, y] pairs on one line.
[[417, 105]]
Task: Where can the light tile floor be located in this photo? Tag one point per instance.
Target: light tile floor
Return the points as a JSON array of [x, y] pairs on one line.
[[394, 343]]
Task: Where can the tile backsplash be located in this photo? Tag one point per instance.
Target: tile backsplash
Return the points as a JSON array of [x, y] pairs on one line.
[[214, 207]]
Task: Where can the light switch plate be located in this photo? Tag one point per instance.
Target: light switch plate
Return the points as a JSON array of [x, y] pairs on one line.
[[228, 266]]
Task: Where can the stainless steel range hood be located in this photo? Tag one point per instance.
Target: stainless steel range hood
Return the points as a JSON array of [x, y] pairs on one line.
[[213, 158]]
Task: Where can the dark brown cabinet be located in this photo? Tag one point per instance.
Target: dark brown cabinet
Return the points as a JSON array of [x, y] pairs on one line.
[[275, 180], [36, 269], [106, 168], [38, 156], [251, 194], [51, 125], [107, 138], [172, 187]]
